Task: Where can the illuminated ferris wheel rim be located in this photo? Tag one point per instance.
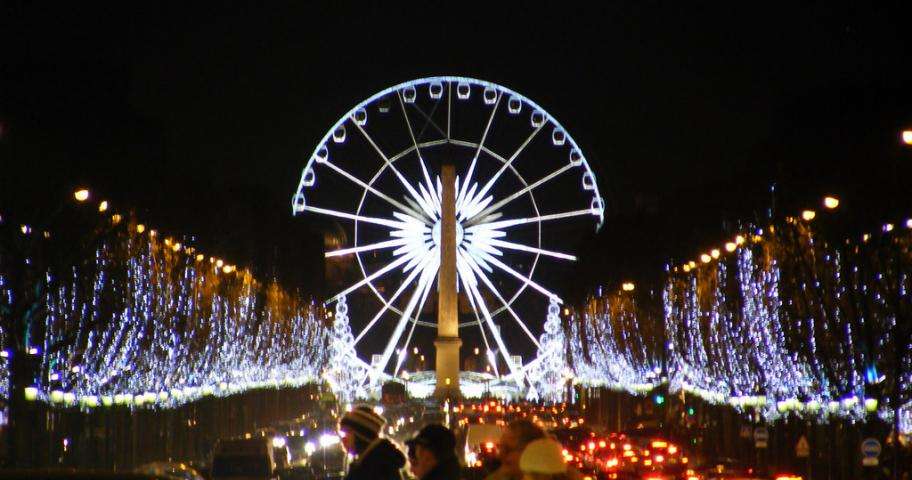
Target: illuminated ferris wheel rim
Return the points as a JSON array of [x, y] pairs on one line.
[[476, 209], [449, 79]]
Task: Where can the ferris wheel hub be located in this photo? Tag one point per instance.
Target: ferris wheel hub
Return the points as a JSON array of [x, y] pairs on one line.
[[435, 233]]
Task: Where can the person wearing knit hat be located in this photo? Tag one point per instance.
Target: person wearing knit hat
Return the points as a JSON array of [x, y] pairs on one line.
[[376, 457], [543, 459], [363, 423]]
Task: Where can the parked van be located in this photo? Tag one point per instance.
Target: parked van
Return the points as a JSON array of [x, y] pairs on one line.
[[243, 459]]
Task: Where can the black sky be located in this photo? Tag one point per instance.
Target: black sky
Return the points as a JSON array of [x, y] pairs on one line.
[[201, 118]]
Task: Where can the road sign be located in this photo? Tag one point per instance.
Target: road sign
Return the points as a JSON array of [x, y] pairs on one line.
[[761, 437], [870, 452], [746, 431], [802, 448]]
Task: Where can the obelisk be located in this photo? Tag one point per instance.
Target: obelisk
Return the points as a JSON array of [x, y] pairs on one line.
[[447, 341]]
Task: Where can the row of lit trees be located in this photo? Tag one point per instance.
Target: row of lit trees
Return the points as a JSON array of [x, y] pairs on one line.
[[781, 319], [98, 309]]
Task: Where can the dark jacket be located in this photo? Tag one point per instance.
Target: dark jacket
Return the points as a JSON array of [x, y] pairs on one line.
[[446, 469], [381, 460]]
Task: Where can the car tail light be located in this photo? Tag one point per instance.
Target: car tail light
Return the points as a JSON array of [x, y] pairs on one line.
[[659, 444]]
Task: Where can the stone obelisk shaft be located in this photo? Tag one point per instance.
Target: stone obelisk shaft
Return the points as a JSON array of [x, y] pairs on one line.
[[448, 341]]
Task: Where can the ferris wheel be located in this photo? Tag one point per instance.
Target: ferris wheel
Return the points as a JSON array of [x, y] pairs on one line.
[[519, 176]]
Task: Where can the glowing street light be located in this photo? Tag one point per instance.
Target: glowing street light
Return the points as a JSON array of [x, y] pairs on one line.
[[730, 247], [628, 286], [830, 202], [81, 195], [907, 137], [705, 258], [103, 206], [808, 215], [715, 253]]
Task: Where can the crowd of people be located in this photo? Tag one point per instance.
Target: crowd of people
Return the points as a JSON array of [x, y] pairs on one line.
[[526, 452]]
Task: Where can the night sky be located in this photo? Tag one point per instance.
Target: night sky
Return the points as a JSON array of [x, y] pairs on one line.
[[201, 120]]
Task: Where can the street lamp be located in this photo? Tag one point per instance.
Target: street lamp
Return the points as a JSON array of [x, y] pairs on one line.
[[830, 202], [907, 137], [808, 215], [628, 286], [81, 195]]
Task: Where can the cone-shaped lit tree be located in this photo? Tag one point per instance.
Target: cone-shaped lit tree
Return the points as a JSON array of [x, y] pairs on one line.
[[546, 377], [346, 372]]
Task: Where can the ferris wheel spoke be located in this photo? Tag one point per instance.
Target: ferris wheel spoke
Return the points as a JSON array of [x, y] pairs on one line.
[[479, 300], [408, 339], [424, 170], [490, 183], [402, 180], [386, 305], [520, 221], [484, 278], [373, 276], [366, 248], [430, 198], [484, 337], [428, 120], [484, 136], [528, 188], [361, 218], [357, 181], [525, 248], [427, 275], [526, 280], [476, 205]]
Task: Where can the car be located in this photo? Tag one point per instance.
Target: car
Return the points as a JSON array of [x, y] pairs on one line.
[[723, 468], [329, 460], [170, 470], [243, 458]]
